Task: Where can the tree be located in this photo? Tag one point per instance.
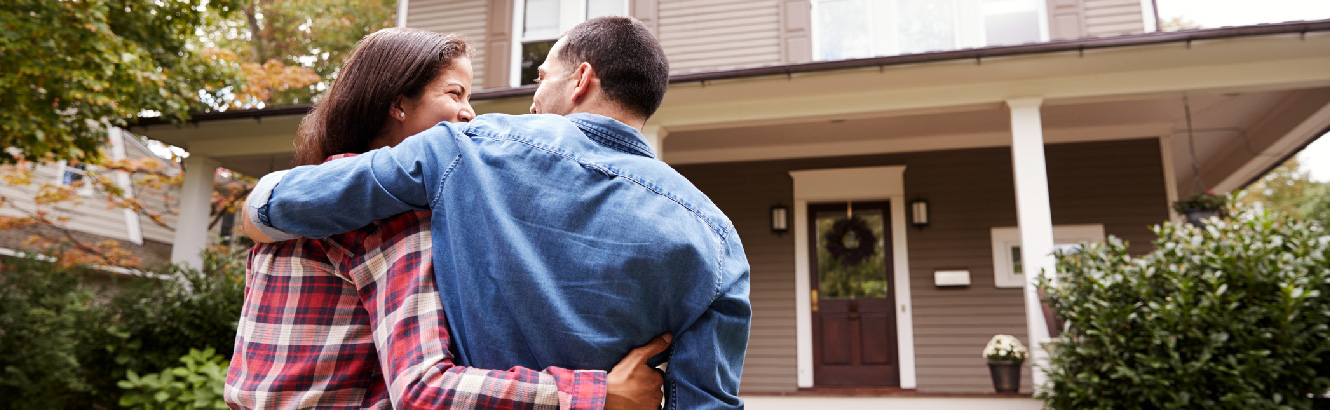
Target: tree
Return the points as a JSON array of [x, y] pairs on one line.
[[1288, 189], [68, 69], [1178, 23], [290, 49], [50, 233]]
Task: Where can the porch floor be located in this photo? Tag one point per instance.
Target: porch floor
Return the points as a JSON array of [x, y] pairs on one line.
[[758, 402]]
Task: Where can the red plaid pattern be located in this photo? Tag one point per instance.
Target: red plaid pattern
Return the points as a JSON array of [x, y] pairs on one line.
[[325, 321]]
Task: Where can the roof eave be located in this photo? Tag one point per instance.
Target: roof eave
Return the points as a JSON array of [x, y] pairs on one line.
[[978, 54]]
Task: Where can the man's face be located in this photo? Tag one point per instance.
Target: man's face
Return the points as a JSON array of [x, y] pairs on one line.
[[555, 85]]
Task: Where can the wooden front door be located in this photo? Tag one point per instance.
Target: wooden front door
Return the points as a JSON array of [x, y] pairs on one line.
[[854, 320]]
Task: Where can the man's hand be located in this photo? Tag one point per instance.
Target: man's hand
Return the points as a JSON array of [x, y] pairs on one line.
[[632, 384]]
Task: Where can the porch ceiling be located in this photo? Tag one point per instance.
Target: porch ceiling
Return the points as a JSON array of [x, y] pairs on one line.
[[249, 146]]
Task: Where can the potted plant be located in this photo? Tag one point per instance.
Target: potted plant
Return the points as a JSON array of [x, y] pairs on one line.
[[1201, 206], [1005, 355]]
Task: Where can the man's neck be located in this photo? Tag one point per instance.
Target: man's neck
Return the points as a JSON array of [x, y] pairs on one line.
[[614, 112]]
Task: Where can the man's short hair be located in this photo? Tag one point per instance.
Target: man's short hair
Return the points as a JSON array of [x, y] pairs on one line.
[[632, 67]]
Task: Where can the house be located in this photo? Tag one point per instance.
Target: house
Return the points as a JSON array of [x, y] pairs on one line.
[[88, 219], [966, 139]]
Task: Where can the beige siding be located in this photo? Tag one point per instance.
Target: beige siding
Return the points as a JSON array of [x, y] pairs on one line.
[[160, 201], [87, 214], [1119, 184], [464, 17], [1105, 18], [163, 202], [708, 35]]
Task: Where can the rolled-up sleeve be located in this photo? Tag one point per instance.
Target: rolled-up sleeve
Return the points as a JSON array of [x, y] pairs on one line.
[[256, 206], [316, 201]]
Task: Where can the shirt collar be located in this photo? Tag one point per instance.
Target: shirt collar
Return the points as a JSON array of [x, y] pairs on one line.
[[612, 133]]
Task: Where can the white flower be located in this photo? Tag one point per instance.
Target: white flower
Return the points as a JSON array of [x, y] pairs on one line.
[[1005, 348]]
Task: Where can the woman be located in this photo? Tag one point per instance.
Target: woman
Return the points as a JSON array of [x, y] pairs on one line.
[[354, 320]]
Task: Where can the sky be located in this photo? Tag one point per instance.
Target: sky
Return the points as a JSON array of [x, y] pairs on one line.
[[1219, 13]]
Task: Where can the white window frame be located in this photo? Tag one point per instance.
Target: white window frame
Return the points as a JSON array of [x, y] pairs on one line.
[[86, 188], [571, 13], [1004, 238], [967, 35]]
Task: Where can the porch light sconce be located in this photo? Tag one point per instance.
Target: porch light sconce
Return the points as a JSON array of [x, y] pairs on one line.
[[919, 213], [780, 219]]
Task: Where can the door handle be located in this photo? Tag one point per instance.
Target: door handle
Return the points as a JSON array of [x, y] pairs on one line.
[[813, 296]]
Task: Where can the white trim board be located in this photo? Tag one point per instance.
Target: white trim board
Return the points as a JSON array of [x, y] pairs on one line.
[[133, 225], [852, 184], [1170, 176]]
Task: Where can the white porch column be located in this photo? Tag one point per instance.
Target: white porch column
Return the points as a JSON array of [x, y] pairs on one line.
[[1035, 218], [655, 136], [191, 230]]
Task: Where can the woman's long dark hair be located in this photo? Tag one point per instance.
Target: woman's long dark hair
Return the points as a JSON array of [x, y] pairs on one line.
[[385, 65]]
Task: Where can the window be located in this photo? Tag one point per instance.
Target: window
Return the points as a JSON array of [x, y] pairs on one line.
[[846, 29], [541, 22], [1007, 269], [71, 175]]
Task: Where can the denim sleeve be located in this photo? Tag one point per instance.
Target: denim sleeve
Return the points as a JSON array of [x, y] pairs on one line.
[[317, 201], [708, 357]]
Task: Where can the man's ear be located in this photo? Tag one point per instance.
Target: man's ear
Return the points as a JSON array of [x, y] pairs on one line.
[[586, 76]]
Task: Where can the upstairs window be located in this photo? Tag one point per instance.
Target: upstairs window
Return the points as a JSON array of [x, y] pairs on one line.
[[846, 29], [75, 175], [541, 22]]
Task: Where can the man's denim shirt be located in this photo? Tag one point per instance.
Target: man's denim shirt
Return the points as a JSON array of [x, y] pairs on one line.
[[558, 241]]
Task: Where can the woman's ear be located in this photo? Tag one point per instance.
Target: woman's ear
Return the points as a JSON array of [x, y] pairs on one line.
[[396, 110]]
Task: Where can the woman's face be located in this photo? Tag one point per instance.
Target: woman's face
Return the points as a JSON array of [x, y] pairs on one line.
[[447, 98]]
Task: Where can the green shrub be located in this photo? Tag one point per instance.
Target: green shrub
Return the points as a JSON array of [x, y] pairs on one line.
[[196, 385], [66, 343], [44, 321], [194, 310], [1232, 316]]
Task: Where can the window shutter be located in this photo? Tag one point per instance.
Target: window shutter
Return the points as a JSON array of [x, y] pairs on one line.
[[646, 11], [1065, 21], [498, 43], [796, 31]]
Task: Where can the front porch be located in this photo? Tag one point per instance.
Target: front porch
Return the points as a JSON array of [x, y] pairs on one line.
[[1029, 140]]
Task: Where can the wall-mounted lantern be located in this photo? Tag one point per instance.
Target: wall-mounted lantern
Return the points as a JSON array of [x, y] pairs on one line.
[[919, 213], [780, 219]]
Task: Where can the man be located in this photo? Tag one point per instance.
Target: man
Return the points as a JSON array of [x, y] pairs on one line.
[[558, 240]]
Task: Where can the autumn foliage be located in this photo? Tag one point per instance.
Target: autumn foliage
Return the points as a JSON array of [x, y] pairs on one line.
[[67, 247]]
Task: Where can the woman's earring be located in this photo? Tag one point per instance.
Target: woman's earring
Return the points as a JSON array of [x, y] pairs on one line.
[[401, 114]]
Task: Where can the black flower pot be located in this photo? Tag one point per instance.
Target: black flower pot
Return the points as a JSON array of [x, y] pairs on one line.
[[1197, 216], [1006, 376]]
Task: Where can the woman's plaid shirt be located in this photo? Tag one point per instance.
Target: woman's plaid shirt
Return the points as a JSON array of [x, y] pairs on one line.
[[354, 321]]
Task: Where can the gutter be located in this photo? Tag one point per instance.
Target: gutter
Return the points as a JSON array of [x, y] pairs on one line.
[[977, 54]]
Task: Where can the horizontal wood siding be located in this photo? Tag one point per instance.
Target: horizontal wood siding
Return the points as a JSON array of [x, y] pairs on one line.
[[87, 214], [164, 202], [464, 17], [1104, 18], [1119, 184], [707, 35]]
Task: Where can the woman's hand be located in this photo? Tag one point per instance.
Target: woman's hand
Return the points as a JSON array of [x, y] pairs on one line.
[[632, 384]]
